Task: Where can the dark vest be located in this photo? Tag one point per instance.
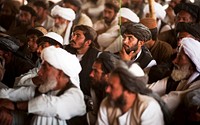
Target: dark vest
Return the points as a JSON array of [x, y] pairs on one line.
[[144, 59]]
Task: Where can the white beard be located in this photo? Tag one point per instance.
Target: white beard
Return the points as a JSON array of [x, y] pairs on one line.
[[181, 73], [60, 29], [49, 85]]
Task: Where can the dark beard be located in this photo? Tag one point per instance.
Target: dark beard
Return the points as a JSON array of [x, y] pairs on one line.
[[120, 102], [129, 49], [99, 88]]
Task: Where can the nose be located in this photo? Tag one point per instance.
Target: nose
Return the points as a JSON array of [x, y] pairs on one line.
[[125, 40], [92, 74], [108, 89]]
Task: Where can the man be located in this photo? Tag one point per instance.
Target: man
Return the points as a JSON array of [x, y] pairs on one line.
[[81, 44], [81, 18], [160, 50], [58, 98], [184, 77], [25, 20], [32, 35], [185, 12], [187, 30], [63, 18], [15, 64], [126, 15], [129, 101], [31, 77], [101, 69], [43, 17], [133, 50], [108, 28]]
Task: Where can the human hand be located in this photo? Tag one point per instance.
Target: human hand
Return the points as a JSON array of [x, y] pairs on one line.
[[125, 56], [7, 104], [6, 117]]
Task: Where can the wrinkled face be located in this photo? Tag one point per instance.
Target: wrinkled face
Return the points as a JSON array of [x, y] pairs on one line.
[[130, 43], [109, 15], [32, 44], [77, 40], [59, 21], [25, 17], [96, 74], [182, 35], [183, 16], [182, 67], [48, 75]]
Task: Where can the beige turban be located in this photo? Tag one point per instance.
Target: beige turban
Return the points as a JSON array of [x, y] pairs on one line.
[[67, 14], [63, 60], [192, 48], [129, 14]]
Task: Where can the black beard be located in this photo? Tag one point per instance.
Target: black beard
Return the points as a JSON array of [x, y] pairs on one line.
[[99, 88], [120, 102], [130, 49]]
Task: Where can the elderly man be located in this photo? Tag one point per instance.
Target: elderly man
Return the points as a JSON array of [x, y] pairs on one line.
[[133, 50], [58, 98], [63, 22], [108, 28], [129, 101], [184, 77]]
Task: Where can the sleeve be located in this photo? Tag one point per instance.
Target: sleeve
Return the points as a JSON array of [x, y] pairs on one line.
[[18, 94], [152, 115], [102, 118], [66, 106]]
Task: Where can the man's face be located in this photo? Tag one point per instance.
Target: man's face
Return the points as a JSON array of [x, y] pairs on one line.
[[109, 15], [60, 25], [183, 16], [182, 67], [77, 40], [97, 74], [25, 17], [49, 75], [32, 44], [130, 43], [40, 12], [115, 91]]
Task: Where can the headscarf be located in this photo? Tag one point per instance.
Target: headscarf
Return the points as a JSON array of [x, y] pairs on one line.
[[191, 28], [129, 14], [67, 14], [63, 60], [159, 10], [140, 31], [191, 48]]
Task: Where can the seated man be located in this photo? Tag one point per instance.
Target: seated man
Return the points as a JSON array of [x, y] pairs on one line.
[[129, 102], [54, 101]]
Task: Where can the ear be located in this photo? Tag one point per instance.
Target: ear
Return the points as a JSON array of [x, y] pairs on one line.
[[88, 42], [141, 43]]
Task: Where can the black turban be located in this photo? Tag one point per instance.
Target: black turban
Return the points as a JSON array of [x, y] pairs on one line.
[[140, 31], [194, 10], [191, 28]]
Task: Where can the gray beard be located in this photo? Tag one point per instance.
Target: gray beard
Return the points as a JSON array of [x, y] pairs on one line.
[[60, 29], [49, 85], [181, 73]]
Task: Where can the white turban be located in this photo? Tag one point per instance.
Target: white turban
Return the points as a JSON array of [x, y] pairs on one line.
[[159, 10], [192, 48], [63, 60], [55, 37], [129, 14], [67, 14]]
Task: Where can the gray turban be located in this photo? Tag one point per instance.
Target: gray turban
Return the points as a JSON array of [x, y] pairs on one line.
[[140, 31]]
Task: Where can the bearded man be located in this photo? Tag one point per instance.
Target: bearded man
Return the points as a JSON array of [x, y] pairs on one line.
[[53, 102], [184, 78], [63, 19]]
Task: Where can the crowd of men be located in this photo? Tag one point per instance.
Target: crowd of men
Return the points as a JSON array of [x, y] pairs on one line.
[[99, 62]]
